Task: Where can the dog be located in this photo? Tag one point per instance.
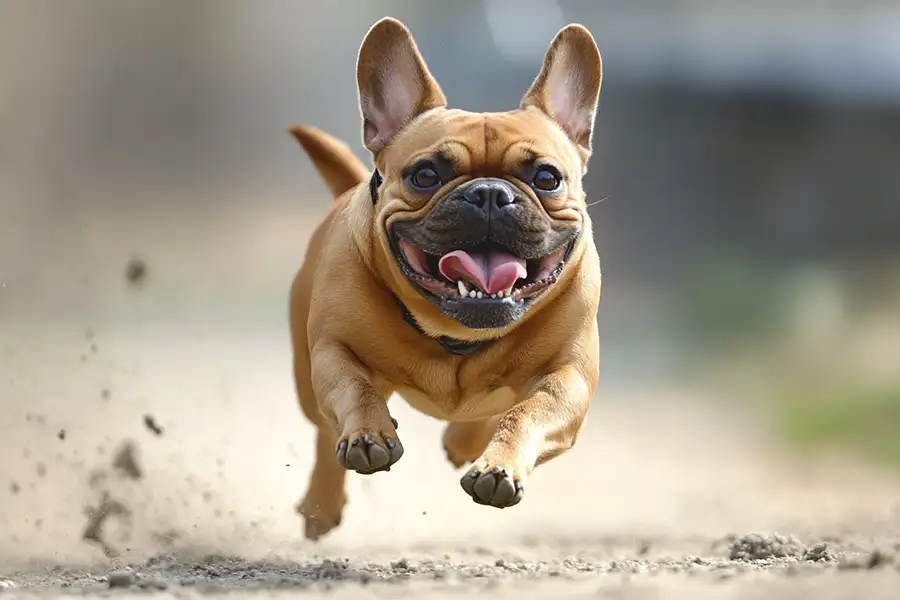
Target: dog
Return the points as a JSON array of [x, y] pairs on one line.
[[460, 273]]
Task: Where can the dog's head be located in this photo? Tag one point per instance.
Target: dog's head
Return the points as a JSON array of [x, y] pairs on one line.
[[480, 213]]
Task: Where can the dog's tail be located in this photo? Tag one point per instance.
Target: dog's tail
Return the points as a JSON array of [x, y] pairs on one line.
[[333, 159]]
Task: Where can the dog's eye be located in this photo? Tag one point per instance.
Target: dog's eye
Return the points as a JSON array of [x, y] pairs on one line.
[[424, 178], [546, 180]]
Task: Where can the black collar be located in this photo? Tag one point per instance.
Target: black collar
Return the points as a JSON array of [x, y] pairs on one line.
[[457, 347]]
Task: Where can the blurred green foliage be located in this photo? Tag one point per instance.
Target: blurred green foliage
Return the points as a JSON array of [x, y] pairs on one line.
[[864, 421], [737, 321]]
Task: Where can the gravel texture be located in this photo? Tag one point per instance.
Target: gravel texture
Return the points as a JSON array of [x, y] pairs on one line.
[[462, 574]]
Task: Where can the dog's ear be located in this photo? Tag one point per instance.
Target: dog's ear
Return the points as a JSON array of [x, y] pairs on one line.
[[395, 86], [568, 86]]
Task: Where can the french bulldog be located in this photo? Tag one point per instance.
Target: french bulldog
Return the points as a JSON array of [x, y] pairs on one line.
[[461, 274]]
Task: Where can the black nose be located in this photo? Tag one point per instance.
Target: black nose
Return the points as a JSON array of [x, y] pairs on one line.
[[490, 194]]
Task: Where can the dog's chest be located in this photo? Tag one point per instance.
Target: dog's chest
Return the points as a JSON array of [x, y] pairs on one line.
[[466, 407]]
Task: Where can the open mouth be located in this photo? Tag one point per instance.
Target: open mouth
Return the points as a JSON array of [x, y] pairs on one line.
[[488, 273]]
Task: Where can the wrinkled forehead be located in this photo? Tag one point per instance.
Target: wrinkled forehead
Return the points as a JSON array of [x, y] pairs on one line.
[[484, 143]]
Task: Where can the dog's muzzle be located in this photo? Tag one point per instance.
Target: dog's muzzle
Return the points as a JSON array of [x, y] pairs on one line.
[[483, 253]]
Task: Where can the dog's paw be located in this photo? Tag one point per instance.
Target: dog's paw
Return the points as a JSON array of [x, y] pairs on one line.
[[319, 518], [492, 486], [366, 452]]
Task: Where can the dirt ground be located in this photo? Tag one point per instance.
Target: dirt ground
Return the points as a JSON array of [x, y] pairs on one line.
[[179, 455]]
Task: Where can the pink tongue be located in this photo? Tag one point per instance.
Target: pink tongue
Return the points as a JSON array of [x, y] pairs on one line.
[[492, 271]]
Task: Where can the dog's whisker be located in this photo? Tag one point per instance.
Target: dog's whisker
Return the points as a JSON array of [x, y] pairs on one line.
[[596, 202]]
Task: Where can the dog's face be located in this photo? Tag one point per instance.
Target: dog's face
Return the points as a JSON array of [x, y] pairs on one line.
[[480, 213]]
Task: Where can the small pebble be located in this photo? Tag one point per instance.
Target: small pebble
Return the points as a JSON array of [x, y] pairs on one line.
[[151, 424], [6, 584], [400, 565], [878, 559], [120, 579], [764, 546], [818, 553], [136, 272]]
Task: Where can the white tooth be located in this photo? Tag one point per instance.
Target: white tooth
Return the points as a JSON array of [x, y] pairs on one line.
[[473, 294], [462, 288], [480, 295], [493, 295]]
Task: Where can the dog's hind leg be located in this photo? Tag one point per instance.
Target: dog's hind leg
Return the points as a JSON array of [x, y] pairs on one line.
[[323, 505], [464, 441], [325, 498]]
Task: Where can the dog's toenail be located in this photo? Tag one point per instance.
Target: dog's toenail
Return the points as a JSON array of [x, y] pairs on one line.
[[395, 423]]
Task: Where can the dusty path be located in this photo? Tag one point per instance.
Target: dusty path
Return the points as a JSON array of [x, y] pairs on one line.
[[642, 508]]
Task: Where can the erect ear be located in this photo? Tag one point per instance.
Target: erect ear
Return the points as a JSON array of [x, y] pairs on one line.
[[568, 86], [394, 83]]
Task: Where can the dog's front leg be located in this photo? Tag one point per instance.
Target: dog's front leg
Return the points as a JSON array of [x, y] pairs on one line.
[[366, 434], [540, 427]]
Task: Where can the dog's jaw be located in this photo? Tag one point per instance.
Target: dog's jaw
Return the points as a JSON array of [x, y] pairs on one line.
[[465, 300]]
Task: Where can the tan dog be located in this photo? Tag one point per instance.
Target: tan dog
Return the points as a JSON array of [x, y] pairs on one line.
[[462, 276]]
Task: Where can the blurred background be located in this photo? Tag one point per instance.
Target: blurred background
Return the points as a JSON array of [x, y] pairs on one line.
[[153, 208]]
